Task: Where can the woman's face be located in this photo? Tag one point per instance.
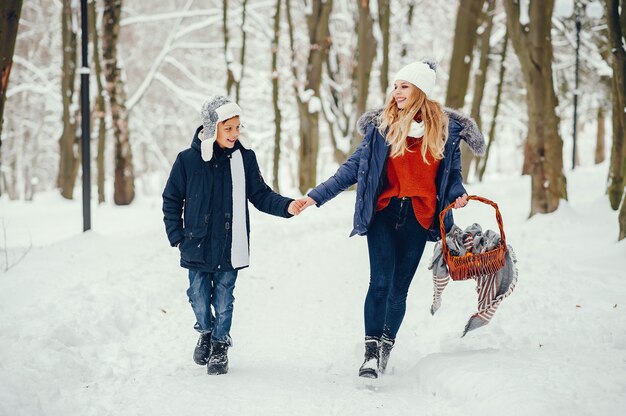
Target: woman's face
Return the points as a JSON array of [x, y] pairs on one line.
[[228, 132], [402, 92]]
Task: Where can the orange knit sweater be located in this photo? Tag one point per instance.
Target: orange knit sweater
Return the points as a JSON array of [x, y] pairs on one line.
[[409, 176]]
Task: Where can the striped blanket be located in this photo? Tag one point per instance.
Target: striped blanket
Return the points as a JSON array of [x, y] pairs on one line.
[[492, 288]]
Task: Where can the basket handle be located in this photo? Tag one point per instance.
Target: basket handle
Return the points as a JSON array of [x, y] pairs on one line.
[[442, 227]]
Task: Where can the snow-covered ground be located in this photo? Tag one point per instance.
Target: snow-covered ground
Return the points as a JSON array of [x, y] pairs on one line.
[[99, 324]]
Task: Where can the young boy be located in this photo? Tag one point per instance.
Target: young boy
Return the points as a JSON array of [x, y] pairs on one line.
[[206, 216]]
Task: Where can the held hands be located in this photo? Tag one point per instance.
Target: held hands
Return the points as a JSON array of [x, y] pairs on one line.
[[299, 205], [460, 201]]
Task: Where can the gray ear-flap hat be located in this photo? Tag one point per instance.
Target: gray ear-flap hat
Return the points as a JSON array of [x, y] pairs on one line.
[[215, 110]]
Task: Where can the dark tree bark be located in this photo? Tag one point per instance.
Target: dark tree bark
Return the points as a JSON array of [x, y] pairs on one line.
[[480, 78], [467, 23], [124, 187], [600, 155], [242, 58], [69, 142], [319, 44], [9, 23], [384, 16], [275, 95], [99, 111], [617, 168], [230, 77], [533, 45], [496, 107], [409, 25], [366, 52]]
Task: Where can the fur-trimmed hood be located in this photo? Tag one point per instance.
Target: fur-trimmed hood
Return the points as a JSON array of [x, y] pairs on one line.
[[468, 129]]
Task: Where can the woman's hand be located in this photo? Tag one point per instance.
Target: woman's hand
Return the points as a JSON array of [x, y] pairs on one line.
[[460, 201], [307, 201]]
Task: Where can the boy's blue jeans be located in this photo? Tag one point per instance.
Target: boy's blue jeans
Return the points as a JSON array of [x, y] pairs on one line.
[[215, 290], [396, 242]]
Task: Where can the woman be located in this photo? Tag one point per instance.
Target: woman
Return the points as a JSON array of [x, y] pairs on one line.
[[407, 169]]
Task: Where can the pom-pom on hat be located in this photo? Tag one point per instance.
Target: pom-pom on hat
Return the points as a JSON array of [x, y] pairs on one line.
[[216, 109], [421, 74]]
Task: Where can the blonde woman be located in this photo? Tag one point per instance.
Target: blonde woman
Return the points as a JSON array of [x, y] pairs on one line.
[[407, 169]]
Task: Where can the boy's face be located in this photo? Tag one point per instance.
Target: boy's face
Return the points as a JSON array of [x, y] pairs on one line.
[[228, 132]]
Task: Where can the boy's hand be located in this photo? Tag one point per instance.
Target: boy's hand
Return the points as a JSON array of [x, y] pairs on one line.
[[296, 207]]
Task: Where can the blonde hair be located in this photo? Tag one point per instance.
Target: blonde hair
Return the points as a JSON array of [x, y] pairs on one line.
[[399, 122]]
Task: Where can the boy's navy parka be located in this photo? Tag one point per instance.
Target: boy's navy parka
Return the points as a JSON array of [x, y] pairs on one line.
[[366, 168], [198, 206]]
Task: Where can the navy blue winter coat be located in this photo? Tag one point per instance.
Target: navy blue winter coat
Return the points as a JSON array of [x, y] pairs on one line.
[[197, 205], [366, 168]]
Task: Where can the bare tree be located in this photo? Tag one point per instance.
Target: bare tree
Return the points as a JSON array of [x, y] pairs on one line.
[[99, 110], [365, 54], [467, 23], [496, 107], [9, 23], [532, 42], [69, 142], [617, 168], [308, 91], [275, 95], [124, 188], [384, 15]]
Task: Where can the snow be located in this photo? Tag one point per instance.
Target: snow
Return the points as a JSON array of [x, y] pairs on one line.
[[563, 8], [595, 10], [98, 323]]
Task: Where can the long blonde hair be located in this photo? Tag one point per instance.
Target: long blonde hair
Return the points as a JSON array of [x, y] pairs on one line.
[[399, 122]]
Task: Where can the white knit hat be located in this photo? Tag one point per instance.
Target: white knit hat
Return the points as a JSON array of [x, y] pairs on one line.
[[421, 74], [216, 109]]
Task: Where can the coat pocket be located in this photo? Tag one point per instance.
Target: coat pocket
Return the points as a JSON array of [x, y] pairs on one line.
[[192, 247]]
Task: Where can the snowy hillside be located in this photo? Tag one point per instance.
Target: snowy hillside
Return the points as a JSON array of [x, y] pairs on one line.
[[99, 324]]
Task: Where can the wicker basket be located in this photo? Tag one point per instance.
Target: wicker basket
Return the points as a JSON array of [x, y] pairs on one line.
[[471, 265]]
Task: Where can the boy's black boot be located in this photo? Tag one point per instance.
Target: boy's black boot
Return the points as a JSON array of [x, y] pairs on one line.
[[369, 368], [218, 361], [386, 344], [203, 349]]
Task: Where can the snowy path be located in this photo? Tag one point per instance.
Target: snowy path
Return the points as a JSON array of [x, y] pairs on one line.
[[99, 324]]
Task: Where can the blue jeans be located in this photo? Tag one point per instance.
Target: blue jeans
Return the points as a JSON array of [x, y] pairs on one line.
[[396, 242], [215, 290]]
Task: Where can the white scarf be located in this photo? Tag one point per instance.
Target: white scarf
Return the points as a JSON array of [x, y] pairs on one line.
[[239, 250], [416, 130]]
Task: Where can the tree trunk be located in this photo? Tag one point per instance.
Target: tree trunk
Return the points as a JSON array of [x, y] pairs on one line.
[[409, 24], [467, 22], [99, 110], [384, 15], [230, 76], [9, 23], [533, 45], [124, 188], [366, 52], [622, 219], [600, 148], [243, 47], [480, 78], [617, 168], [69, 142], [275, 95], [309, 104], [496, 107]]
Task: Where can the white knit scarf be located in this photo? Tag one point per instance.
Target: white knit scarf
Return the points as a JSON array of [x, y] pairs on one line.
[[240, 255], [416, 130]]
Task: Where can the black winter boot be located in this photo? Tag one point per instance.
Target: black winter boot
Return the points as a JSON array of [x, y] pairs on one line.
[[218, 361], [386, 344], [203, 349], [369, 368]]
